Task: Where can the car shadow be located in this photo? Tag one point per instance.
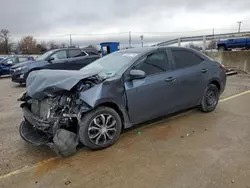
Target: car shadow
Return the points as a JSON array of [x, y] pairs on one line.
[[156, 121], [5, 77], [19, 86]]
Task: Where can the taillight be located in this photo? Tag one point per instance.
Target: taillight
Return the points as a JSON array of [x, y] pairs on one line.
[[222, 67]]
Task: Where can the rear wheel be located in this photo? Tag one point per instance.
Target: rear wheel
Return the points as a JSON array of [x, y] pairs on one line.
[[100, 128], [210, 98], [221, 48]]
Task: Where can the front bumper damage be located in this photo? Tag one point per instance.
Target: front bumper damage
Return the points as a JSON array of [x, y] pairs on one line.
[[56, 102], [64, 142]]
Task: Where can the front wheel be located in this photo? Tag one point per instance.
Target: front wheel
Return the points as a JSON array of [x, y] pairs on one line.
[[210, 98], [100, 128]]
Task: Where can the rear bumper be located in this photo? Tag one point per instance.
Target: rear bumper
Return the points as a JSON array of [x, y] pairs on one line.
[[223, 83]]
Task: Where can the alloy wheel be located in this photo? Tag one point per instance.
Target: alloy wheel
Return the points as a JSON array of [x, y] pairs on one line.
[[211, 98], [102, 129]]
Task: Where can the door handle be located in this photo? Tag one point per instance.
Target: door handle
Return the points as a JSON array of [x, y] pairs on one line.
[[204, 70], [170, 79]]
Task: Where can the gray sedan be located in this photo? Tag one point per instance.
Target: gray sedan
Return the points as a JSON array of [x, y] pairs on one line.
[[120, 90]]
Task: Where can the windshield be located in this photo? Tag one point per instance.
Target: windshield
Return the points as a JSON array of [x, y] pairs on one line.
[[45, 55], [112, 63], [2, 60]]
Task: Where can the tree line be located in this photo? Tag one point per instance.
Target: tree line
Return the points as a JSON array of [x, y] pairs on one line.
[[27, 44], [211, 45]]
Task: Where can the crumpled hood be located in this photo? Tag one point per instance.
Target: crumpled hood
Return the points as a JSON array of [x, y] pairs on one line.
[[42, 82]]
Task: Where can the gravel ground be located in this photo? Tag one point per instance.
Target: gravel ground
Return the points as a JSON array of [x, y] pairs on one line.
[[16, 154]]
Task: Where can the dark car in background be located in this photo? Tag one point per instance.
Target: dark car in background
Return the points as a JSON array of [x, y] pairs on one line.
[[225, 45], [6, 62], [62, 109], [61, 59]]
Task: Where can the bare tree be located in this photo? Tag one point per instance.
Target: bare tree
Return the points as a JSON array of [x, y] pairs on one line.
[[92, 47], [5, 45], [193, 46], [42, 47], [212, 44], [52, 45], [28, 45], [63, 45]]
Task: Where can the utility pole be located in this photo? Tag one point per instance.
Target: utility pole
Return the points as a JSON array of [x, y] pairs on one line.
[[142, 40], [129, 39], [213, 31], [239, 22], [70, 40]]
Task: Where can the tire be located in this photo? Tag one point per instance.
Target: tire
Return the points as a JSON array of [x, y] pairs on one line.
[[93, 132], [210, 98], [221, 48]]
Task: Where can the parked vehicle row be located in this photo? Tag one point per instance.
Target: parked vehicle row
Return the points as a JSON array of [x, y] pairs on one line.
[[6, 62], [64, 108], [62, 59]]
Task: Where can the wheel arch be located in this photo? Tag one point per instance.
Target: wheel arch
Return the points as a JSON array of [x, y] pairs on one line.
[[222, 46], [120, 110], [216, 83]]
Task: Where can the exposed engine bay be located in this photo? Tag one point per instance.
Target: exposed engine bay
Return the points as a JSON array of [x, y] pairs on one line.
[[54, 119]]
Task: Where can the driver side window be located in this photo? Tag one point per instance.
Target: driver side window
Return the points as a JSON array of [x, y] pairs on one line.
[[60, 55], [153, 63]]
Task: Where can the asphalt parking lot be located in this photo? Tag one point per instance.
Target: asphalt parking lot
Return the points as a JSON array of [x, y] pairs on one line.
[[191, 149]]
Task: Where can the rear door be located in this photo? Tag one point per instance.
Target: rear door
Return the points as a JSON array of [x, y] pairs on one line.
[[237, 43], [77, 59], [191, 73], [152, 96]]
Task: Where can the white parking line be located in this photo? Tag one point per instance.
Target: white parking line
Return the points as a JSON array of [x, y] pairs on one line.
[[234, 96], [28, 167]]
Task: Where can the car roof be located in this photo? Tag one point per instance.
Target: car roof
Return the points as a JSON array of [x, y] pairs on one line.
[[144, 50], [148, 49], [138, 50], [59, 49]]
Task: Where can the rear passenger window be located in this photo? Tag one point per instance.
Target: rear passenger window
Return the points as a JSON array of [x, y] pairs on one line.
[[75, 53], [153, 63], [185, 58], [83, 53], [22, 59]]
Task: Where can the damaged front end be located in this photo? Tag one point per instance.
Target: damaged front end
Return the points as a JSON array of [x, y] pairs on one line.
[[53, 120]]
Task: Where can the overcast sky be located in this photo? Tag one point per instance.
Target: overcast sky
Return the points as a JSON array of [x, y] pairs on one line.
[[47, 18]]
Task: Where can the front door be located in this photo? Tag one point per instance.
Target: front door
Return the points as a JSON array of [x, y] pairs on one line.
[[151, 96], [60, 58]]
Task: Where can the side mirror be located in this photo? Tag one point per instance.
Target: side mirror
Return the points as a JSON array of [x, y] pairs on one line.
[[137, 74], [51, 59]]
